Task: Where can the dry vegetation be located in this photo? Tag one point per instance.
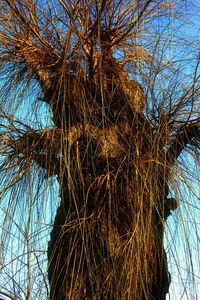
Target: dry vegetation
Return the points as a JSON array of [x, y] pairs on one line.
[[123, 119]]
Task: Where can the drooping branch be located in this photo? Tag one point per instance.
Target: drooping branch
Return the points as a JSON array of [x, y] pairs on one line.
[[29, 47], [26, 23], [187, 134]]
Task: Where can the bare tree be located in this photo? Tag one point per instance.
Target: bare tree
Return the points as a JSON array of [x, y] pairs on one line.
[[122, 114]]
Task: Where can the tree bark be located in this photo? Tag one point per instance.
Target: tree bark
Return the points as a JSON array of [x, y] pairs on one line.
[[107, 239]]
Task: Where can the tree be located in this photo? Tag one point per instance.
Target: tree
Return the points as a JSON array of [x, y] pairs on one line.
[[122, 114]]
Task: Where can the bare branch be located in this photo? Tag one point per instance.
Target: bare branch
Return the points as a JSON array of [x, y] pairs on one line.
[[184, 136]]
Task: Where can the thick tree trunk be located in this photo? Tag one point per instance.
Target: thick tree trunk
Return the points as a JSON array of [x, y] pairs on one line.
[[107, 239], [91, 257]]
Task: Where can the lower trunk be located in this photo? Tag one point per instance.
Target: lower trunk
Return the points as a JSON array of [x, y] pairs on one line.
[[107, 243]]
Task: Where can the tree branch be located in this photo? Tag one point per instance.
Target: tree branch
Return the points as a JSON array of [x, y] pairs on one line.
[[185, 135], [37, 57]]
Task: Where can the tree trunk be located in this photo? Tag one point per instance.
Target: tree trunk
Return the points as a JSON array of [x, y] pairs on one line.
[[107, 239]]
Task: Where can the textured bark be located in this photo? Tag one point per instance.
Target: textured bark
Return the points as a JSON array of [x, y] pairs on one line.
[[107, 240]]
